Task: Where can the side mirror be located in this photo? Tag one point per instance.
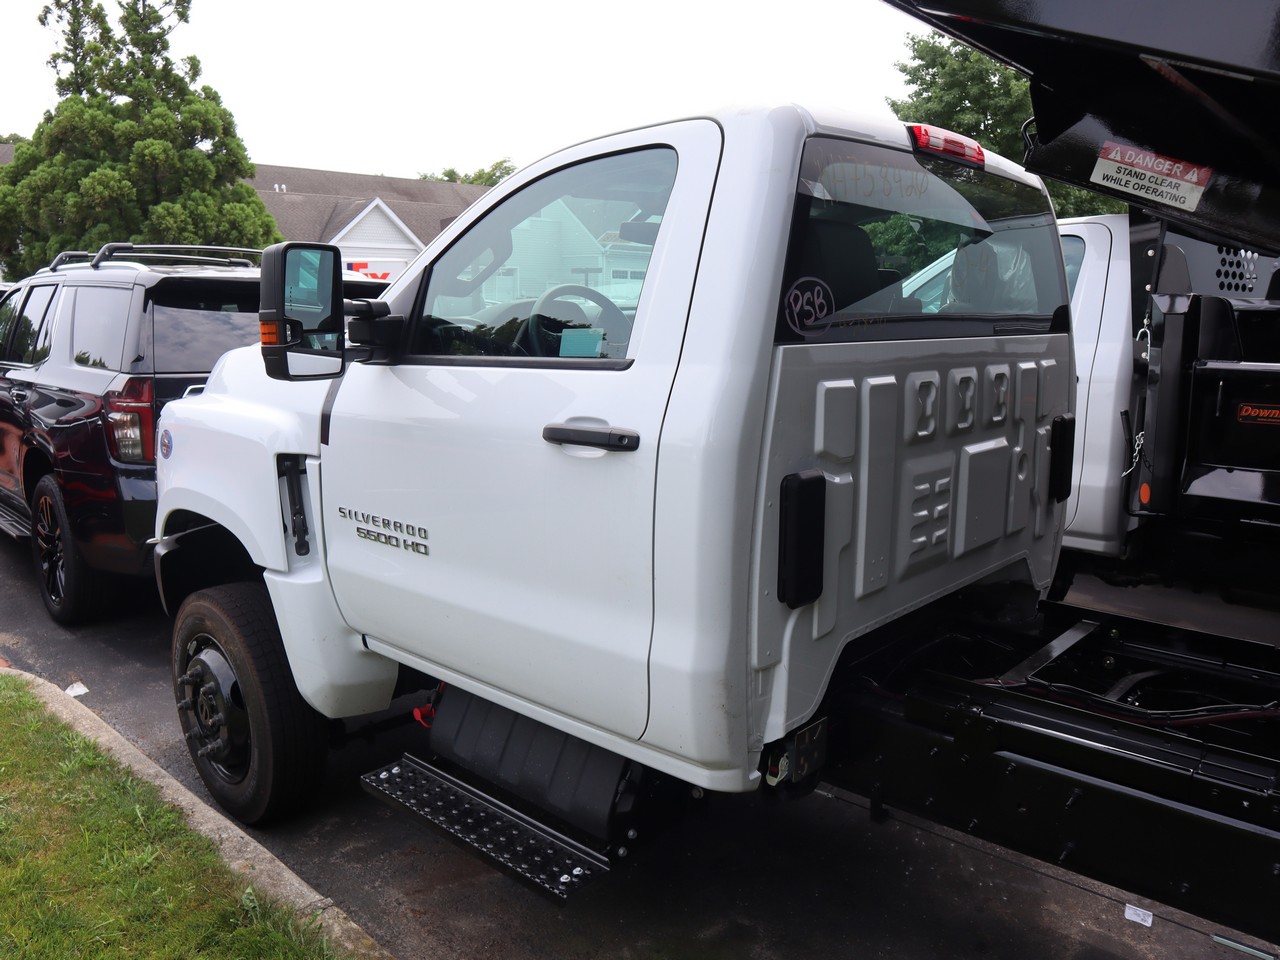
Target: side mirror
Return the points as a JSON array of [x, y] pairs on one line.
[[301, 311]]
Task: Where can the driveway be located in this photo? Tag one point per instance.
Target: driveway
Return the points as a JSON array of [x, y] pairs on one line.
[[812, 878]]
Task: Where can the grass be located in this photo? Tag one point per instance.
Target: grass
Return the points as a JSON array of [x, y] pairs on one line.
[[94, 863]]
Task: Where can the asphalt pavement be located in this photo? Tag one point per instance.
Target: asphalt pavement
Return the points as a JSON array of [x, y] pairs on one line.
[[744, 878]]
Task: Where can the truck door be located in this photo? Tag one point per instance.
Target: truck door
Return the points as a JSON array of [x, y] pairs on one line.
[[1101, 320], [488, 501]]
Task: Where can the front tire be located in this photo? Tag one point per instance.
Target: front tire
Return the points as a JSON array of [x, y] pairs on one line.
[[257, 745], [71, 591]]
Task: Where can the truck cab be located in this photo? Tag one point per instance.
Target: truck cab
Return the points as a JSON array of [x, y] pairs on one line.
[[633, 453]]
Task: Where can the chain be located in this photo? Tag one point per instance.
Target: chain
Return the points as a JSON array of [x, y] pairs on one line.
[[1138, 455]]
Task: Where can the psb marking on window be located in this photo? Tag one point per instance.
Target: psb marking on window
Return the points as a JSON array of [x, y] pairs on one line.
[[808, 304]]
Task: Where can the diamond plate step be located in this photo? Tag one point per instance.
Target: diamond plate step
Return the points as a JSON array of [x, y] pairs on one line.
[[515, 842]]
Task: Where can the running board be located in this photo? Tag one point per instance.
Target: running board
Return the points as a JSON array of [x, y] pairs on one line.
[[13, 523], [513, 841]]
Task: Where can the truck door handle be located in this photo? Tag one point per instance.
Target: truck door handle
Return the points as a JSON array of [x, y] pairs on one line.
[[605, 438], [18, 396]]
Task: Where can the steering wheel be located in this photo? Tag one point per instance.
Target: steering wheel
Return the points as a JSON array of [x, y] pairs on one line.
[[611, 318]]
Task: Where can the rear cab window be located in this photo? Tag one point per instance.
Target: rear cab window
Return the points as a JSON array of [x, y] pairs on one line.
[[888, 244]]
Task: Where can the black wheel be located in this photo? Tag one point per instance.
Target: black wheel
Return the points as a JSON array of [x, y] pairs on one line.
[[258, 746], [71, 591]]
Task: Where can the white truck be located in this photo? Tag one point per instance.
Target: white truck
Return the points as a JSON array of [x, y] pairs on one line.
[[659, 477], [1177, 347]]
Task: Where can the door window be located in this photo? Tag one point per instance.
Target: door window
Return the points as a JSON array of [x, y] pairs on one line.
[[1072, 259], [97, 332], [30, 342], [554, 271], [8, 314]]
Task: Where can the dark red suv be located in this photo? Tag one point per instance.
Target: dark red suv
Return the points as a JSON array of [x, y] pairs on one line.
[[91, 348]]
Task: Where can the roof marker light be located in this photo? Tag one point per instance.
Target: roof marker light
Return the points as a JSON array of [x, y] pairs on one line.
[[944, 143]]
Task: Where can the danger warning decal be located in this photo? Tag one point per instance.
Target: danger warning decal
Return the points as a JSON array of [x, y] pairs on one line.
[[1151, 176]]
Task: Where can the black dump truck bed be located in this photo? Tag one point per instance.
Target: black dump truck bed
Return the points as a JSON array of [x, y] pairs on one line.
[[1170, 105]]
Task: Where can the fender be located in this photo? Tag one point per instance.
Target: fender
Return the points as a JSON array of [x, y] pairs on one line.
[[233, 482], [233, 479]]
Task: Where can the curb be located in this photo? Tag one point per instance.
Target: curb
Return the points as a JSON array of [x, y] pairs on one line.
[[240, 851]]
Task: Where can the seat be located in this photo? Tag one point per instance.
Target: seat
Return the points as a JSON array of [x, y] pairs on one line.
[[975, 280], [840, 255]]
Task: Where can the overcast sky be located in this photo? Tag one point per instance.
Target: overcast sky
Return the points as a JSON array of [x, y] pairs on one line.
[[398, 87]]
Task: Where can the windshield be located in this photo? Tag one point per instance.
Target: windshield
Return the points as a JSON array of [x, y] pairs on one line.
[[886, 244]]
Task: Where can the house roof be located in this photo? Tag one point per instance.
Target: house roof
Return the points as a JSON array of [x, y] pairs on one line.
[[318, 204]]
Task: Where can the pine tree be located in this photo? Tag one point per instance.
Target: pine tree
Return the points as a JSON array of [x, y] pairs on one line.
[[133, 150], [967, 92]]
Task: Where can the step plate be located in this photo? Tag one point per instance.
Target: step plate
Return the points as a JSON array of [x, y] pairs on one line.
[[14, 523], [515, 842]]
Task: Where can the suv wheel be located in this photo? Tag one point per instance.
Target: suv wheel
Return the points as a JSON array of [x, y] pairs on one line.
[[67, 586]]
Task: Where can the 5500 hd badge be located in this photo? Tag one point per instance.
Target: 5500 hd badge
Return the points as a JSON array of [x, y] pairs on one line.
[[388, 532]]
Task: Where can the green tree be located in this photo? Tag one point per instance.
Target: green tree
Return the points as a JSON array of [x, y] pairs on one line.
[[967, 92], [485, 177], [133, 150], [88, 46]]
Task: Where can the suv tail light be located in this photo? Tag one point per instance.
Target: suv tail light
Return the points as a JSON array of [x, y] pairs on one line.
[[131, 421]]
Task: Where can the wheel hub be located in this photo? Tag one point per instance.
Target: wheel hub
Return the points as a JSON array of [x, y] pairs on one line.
[[215, 717], [48, 537]]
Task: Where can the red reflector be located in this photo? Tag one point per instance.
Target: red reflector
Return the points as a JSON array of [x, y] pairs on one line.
[[1144, 493], [944, 143]]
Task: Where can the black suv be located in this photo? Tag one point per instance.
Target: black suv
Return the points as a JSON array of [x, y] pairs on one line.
[[91, 348]]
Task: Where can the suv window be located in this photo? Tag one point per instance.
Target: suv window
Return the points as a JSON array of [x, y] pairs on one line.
[[575, 245], [8, 313], [28, 344], [886, 244], [98, 327], [194, 322]]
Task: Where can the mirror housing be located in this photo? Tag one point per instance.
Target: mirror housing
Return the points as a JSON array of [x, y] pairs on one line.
[[301, 311]]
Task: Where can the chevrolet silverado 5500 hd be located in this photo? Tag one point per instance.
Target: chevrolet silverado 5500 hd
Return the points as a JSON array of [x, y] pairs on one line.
[[659, 476]]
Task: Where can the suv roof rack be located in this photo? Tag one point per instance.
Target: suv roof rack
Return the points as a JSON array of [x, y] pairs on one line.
[[166, 252]]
